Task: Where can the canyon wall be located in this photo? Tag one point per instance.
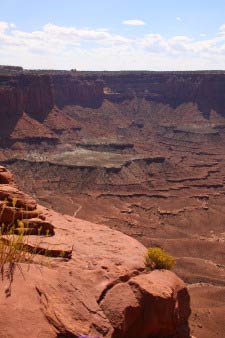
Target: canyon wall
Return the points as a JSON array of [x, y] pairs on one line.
[[173, 88], [36, 93], [27, 93], [70, 90]]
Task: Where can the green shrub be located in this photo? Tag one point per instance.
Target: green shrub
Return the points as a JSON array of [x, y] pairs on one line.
[[157, 258]]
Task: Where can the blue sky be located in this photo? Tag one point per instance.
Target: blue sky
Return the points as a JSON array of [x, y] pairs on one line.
[[113, 34]]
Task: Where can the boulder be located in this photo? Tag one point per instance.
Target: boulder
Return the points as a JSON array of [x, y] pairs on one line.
[[148, 305]]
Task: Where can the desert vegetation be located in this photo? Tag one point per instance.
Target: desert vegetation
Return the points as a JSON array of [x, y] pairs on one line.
[[157, 258], [14, 242], [14, 247]]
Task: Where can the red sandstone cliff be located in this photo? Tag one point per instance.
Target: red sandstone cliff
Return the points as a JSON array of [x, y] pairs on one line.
[[69, 90], [36, 93], [101, 288], [173, 88], [25, 93]]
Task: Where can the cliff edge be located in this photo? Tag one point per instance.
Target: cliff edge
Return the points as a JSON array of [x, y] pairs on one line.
[[98, 287]]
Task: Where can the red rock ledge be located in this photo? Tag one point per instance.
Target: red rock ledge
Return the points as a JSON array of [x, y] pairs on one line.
[[100, 288]]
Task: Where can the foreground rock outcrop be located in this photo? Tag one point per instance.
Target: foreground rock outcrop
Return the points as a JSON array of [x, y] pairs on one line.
[[100, 289]]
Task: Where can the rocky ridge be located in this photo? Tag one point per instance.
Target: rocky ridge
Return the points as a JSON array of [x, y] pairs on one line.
[[99, 288]]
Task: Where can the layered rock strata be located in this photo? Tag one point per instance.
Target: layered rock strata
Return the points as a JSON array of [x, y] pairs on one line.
[[101, 289]]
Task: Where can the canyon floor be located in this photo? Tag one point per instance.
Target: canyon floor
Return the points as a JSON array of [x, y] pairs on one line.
[[153, 170]]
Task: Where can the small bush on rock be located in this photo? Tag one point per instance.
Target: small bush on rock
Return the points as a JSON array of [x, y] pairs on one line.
[[14, 248], [14, 244], [157, 258]]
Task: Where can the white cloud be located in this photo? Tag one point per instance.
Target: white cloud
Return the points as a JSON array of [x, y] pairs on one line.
[[73, 35], [154, 43], [222, 29], [55, 46], [178, 18], [3, 26], [134, 22], [180, 43]]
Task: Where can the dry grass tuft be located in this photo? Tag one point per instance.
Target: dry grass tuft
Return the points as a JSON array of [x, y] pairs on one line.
[[157, 258]]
